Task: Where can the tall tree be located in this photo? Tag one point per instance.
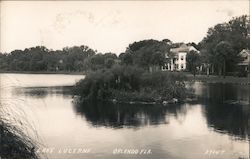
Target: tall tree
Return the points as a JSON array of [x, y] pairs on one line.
[[193, 61], [233, 32], [147, 53], [223, 53]]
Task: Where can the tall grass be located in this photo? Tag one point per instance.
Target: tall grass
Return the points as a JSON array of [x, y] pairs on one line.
[[15, 132]]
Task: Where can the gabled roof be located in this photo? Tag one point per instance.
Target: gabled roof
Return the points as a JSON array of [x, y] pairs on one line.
[[245, 52], [183, 48]]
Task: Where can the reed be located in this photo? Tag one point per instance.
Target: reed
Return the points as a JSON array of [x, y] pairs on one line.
[[15, 130]]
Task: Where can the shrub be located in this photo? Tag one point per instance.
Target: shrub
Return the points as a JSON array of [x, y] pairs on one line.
[[130, 83]]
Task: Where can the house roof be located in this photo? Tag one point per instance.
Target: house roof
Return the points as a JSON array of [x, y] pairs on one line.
[[183, 48], [245, 52]]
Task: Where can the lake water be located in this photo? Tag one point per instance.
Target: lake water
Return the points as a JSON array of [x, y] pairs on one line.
[[208, 128]]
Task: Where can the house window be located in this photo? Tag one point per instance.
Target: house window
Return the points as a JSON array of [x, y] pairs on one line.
[[181, 66], [182, 57], [165, 67]]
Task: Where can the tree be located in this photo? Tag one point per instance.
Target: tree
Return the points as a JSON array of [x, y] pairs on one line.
[[40, 58], [223, 53], [100, 61], [126, 58], [233, 32], [193, 61], [204, 59], [147, 53]]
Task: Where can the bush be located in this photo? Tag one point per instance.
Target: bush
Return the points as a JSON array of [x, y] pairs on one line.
[[130, 83], [167, 84]]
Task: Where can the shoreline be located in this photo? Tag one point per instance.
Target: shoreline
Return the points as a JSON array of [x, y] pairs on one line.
[[190, 77], [43, 72], [217, 79]]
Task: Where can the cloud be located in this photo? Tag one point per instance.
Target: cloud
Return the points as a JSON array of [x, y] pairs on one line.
[[109, 19]]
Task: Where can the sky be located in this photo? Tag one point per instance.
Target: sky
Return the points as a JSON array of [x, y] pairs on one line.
[[109, 26]]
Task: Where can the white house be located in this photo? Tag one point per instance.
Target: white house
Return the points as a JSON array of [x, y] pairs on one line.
[[245, 54], [177, 61]]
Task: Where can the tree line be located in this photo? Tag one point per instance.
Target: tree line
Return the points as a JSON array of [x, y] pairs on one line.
[[145, 54], [220, 48], [219, 53], [69, 59]]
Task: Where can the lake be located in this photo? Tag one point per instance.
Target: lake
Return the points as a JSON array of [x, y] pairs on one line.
[[214, 126]]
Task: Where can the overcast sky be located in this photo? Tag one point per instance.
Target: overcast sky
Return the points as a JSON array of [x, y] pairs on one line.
[[109, 26]]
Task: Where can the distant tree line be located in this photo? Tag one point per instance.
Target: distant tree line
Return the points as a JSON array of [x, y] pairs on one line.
[[219, 53], [76, 58], [146, 54]]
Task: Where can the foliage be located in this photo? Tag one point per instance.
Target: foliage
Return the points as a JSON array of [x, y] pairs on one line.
[[16, 134], [98, 84], [41, 59], [193, 61], [235, 34], [223, 52], [146, 53], [131, 83], [126, 58], [76, 58], [15, 144], [100, 61]]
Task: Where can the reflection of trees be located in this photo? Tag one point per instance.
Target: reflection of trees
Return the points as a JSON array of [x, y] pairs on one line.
[[232, 119], [219, 93], [119, 115], [42, 92]]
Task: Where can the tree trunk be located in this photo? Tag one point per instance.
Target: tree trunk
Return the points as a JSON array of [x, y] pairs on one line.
[[224, 68], [194, 71]]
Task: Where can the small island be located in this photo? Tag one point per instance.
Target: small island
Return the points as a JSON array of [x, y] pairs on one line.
[[129, 84]]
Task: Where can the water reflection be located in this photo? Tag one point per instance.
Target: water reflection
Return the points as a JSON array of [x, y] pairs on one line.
[[177, 131], [223, 93], [42, 92], [125, 115], [226, 118], [223, 118]]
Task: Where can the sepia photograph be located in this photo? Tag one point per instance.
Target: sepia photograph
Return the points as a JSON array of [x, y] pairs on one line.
[[141, 79]]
